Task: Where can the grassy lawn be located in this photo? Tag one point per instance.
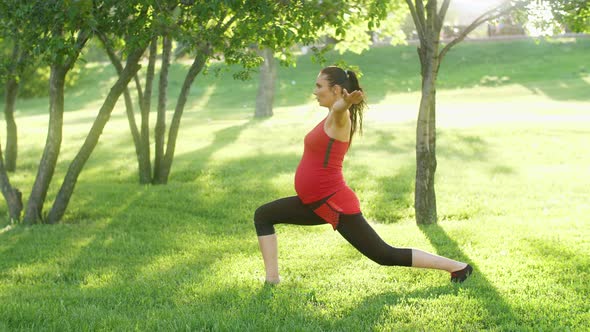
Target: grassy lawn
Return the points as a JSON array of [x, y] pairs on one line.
[[512, 191]]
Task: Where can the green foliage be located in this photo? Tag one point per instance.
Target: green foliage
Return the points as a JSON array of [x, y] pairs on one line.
[[575, 14], [364, 21], [233, 30], [554, 16], [16, 40], [35, 81]]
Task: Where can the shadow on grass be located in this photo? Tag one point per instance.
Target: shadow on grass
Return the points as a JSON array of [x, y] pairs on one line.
[[391, 142], [454, 145], [395, 198], [568, 268], [134, 261], [571, 89], [86, 206], [298, 308], [498, 311], [395, 201], [370, 312], [198, 159], [126, 266]]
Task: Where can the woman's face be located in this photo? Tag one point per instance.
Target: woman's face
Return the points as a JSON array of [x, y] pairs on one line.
[[324, 93]]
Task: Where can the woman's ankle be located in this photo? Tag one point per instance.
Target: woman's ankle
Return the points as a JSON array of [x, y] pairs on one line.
[[272, 280], [459, 267]]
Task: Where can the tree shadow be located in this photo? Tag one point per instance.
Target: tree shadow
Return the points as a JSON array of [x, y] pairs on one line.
[[372, 309], [140, 245], [469, 148], [572, 89], [395, 201], [454, 145], [568, 268], [390, 142], [192, 163], [130, 264], [296, 306], [84, 201], [497, 309]]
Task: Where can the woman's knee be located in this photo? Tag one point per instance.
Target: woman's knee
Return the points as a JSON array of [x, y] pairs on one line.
[[261, 214], [393, 257], [262, 221]]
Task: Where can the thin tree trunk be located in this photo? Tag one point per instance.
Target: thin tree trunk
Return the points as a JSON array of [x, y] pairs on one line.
[[146, 102], [195, 69], [266, 85], [13, 196], [429, 24], [52, 146], [67, 187], [11, 129], [425, 196], [160, 130], [143, 162]]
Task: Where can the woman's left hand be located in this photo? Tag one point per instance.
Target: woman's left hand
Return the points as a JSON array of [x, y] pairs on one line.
[[352, 98], [348, 99]]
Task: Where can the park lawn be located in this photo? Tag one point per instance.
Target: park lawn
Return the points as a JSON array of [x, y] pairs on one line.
[[512, 192]]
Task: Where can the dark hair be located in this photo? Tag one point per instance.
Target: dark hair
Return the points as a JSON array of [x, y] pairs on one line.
[[348, 80]]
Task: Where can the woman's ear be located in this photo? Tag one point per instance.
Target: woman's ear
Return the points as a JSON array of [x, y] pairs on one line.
[[337, 89]]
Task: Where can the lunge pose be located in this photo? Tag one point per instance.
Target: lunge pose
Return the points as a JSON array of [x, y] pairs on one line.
[[322, 194]]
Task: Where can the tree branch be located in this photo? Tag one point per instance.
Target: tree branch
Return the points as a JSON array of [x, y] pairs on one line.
[[418, 21], [421, 15], [432, 18], [443, 13], [83, 36], [491, 14]]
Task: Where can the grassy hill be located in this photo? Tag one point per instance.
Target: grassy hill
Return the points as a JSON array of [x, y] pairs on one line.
[[511, 189]]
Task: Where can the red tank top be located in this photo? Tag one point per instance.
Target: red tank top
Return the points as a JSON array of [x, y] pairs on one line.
[[319, 175]]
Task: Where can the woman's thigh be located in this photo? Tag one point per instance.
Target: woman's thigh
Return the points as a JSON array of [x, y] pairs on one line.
[[288, 210]]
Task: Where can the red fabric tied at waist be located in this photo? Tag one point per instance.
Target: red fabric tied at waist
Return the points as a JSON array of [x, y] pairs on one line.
[[342, 202], [329, 214]]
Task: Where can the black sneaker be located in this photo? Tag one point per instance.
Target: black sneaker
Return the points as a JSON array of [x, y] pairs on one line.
[[461, 275]]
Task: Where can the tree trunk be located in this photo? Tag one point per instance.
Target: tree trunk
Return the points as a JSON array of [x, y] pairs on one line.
[[143, 162], [52, 145], [160, 130], [145, 176], [54, 133], [424, 194], [12, 85], [12, 195], [11, 129], [196, 67], [67, 187], [266, 85]]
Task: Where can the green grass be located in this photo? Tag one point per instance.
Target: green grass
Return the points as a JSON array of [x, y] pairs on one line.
[[512, 191]]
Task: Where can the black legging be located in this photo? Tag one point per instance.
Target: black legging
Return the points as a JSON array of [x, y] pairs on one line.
[[353, 227]]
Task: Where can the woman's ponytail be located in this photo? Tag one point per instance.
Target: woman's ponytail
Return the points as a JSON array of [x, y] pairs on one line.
[[348, 80], [356, 110]]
